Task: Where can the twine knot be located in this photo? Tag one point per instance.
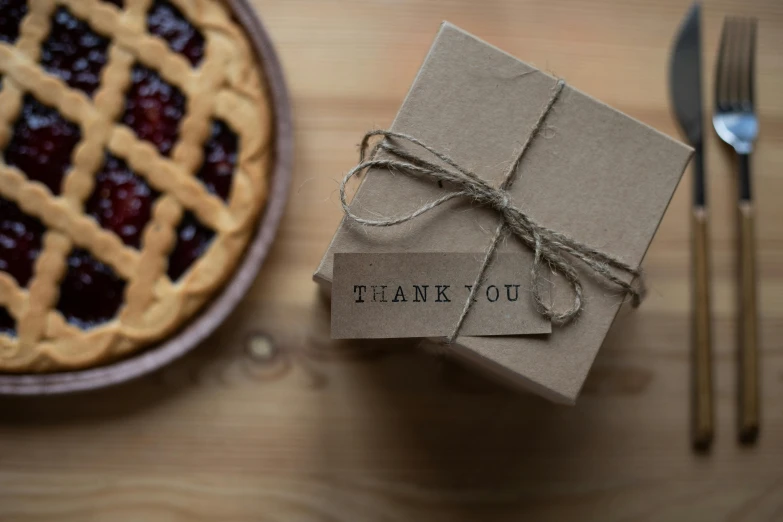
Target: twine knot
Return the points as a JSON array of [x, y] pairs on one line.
[[548, 246], [502, 202]]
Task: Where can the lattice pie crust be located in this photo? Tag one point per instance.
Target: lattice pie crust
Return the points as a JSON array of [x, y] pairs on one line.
[[226, 86]]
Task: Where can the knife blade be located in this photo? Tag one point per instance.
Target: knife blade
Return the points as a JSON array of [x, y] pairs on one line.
[[685, 75], [685, 92]]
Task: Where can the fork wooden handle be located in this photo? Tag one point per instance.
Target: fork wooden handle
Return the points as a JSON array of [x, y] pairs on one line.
[[748, 379], [701, 350]]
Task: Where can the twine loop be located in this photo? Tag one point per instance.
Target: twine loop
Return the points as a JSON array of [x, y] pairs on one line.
[[548, 246]]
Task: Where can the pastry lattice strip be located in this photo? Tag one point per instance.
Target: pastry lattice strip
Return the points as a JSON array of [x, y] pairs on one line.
[[211, 93]]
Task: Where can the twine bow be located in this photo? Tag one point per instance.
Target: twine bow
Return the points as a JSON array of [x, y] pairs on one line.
[[547, 245]]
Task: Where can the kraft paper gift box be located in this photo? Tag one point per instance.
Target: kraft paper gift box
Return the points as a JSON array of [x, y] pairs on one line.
[[591, 173]]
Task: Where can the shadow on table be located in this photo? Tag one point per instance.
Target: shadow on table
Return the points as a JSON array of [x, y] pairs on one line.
[[92, 406], [450, 439], [201, 366]]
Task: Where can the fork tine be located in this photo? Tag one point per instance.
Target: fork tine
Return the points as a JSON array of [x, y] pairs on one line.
[[721, 85], [736, 78], [741, 70], [748, 64], [752, 63], [745, 36]]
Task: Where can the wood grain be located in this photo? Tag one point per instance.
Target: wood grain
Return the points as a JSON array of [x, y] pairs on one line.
[[270, 420], [749, 407], [702, 398]]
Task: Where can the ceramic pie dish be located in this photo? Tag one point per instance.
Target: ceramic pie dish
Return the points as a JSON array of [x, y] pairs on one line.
[[145, 151]]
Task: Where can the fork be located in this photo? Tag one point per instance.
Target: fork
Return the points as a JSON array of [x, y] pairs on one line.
[[736, 123]]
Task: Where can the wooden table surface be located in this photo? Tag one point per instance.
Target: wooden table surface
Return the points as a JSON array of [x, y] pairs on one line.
[[270, 420]]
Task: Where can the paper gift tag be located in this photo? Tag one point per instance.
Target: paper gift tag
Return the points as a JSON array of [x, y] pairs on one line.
[[423, 295]]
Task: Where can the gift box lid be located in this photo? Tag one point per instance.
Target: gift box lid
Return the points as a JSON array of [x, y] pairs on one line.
[[592, 173]]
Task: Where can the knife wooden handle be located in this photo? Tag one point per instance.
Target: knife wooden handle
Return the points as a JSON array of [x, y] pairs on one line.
[[701, 350], [748, 379]]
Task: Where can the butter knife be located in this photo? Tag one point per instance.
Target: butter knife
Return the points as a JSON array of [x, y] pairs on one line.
[[685, 91]]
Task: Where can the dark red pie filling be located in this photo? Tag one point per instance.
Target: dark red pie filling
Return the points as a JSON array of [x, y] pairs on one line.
[[122, 201], [11, 14], [220, 160], [118, 3], [166, 21], [91, 293], [74, 52], [193, 239], [7, 323], [153, 109], [20, 242], [42, 143]]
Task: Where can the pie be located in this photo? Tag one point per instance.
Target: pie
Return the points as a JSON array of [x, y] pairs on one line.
[[135, 151]]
